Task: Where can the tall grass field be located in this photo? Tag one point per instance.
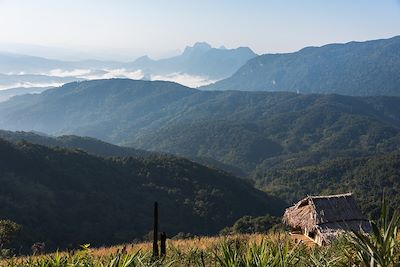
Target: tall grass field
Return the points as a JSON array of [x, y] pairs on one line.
[[380, 248], [238, 250]]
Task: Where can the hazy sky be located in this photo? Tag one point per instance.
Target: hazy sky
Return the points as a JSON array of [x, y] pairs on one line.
[[125, 29]]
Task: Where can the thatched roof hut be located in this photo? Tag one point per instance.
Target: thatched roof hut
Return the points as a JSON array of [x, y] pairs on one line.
[[322, 218]]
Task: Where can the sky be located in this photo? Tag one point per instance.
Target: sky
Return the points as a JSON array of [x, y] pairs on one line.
[[126, 29]]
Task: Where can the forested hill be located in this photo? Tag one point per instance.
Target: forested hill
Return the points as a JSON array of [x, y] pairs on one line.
[[67, 197], [100, 148], [241, 129], [356, 68], [88, 144], [105, 109], [369, 178]]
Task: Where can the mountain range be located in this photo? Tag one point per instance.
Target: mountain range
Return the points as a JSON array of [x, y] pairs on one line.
[[198, 65], [355, 68], [238, 128], [323, 120], [199, 60], [275, 139]]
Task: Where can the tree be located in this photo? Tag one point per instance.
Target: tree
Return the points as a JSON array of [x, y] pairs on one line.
[[8, 230]]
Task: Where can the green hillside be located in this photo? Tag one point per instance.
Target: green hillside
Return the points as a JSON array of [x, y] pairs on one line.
[[240, 129], [246, 129], [66, 197], [100, 148], [90, 145], [369, 178]]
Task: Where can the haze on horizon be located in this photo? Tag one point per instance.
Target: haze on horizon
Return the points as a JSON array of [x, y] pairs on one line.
[[124, 30]]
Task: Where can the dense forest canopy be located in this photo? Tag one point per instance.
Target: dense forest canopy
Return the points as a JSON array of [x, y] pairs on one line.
[[370, 178], [240, 129], [67, 197]]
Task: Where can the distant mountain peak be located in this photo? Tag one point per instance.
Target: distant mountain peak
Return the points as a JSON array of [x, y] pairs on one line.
[[202, 46], [199, 46], [199, 64], [143, 59]]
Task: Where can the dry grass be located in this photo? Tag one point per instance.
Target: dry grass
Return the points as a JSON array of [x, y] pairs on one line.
[[186, 250], [183, 245]]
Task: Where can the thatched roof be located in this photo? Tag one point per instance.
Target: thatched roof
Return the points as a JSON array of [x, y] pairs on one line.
[[327, 214]]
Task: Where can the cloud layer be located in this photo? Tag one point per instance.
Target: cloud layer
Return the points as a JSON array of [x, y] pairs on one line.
[[58, 77], [185, 79]]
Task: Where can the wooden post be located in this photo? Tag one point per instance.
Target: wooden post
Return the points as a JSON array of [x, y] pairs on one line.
[[163, 246], [155, 231]]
